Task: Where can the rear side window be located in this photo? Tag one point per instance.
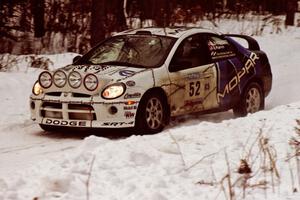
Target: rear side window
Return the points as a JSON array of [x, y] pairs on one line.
[[192, 52], [220, 48]]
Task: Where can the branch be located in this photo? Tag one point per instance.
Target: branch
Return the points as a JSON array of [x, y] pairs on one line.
[[204, 157], [89, 177], [231, 193], [178, 147], [124, 9]]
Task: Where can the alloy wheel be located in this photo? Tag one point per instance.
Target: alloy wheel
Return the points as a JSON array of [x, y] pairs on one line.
[[253, 100], [154, 113]]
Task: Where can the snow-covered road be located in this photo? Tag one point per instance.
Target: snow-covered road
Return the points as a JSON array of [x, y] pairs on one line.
[[23, 144]]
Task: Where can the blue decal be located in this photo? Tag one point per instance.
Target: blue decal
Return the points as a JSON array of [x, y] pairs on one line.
[[126, 73], [233, 77]]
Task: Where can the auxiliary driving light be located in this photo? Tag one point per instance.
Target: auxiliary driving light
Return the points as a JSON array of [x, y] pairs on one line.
[[91, 82], [75, 79], [60, 79], [45, 79]]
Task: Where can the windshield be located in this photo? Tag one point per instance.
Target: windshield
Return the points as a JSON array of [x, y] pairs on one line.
[[145, 51]]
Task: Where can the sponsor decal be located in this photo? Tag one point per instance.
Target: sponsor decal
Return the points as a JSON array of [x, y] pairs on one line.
[[126, 73], [235, 81], [98, 69], [130, 83], [132, 96], [194, 88], [225, 54], [115, 124], [130, 107], [80, 67], [64, 122], [193, 102], [206, 86], [193, 76], [69, 102], [95, 68], [215, 47], [219, 48], [129, 115], [213, 53]]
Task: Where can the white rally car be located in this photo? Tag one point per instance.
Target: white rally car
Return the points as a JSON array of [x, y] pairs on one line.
[[140, 78]]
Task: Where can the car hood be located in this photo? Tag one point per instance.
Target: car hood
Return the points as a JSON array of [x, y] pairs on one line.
[[105, 71]]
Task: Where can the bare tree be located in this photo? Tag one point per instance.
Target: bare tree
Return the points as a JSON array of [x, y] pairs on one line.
[[106, 19], [38, 10], [97, 24], [290, 12]]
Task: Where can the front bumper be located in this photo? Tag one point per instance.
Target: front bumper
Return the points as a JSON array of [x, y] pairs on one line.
[[69, 110]]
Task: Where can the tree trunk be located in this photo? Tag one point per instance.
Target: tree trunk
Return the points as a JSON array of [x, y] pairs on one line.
[[38, 10], [157, 10], [290, 12], [106, 18], [98, 20], [117, 10]]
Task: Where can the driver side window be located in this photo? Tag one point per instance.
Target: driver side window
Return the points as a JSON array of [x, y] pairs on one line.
[[192, 52]]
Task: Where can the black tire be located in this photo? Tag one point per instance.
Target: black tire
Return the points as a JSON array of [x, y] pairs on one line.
[[152, 114], [252, 100], [48, 128]]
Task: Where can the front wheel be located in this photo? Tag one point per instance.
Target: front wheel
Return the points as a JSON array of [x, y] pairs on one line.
[[251, 101], [152, 115]]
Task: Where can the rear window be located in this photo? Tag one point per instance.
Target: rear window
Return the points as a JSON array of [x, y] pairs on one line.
[[220, 48]]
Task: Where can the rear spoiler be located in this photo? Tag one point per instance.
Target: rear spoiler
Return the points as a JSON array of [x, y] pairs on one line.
[[252, 43]]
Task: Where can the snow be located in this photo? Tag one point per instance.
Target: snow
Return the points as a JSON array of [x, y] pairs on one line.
[[169, 165], [190, 159]]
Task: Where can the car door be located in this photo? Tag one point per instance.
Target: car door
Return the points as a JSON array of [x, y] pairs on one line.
[[228, 66], [193, 77]]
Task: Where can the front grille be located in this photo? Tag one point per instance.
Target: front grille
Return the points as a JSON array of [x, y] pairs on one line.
[[58, 94], [80, 107], [82, 116], [68, 111], [52, 105], [51, 114], [87, 112], [54, 94], [81, 95], [52, 110]]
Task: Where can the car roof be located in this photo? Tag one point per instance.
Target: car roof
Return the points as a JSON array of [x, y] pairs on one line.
[[175, 32]]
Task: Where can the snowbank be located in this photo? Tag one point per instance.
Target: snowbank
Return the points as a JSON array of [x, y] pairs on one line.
[[32, 62], [188, 162]]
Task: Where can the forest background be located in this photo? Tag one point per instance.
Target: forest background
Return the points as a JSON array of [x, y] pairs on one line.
[[57, 26]]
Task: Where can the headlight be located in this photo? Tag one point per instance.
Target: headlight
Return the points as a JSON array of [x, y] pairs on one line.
[[114, 91], [45, 79], [60, 79], [75, 79], [37, 89], [90, 82]]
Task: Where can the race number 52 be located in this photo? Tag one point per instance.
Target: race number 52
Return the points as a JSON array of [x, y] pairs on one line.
[[194, 88]]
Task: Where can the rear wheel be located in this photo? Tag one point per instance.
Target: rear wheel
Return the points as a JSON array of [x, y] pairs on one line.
[[152, 115], [251, 101]]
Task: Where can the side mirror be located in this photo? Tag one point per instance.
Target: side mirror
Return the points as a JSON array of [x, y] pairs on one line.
[[178, 65], [76, 58]]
